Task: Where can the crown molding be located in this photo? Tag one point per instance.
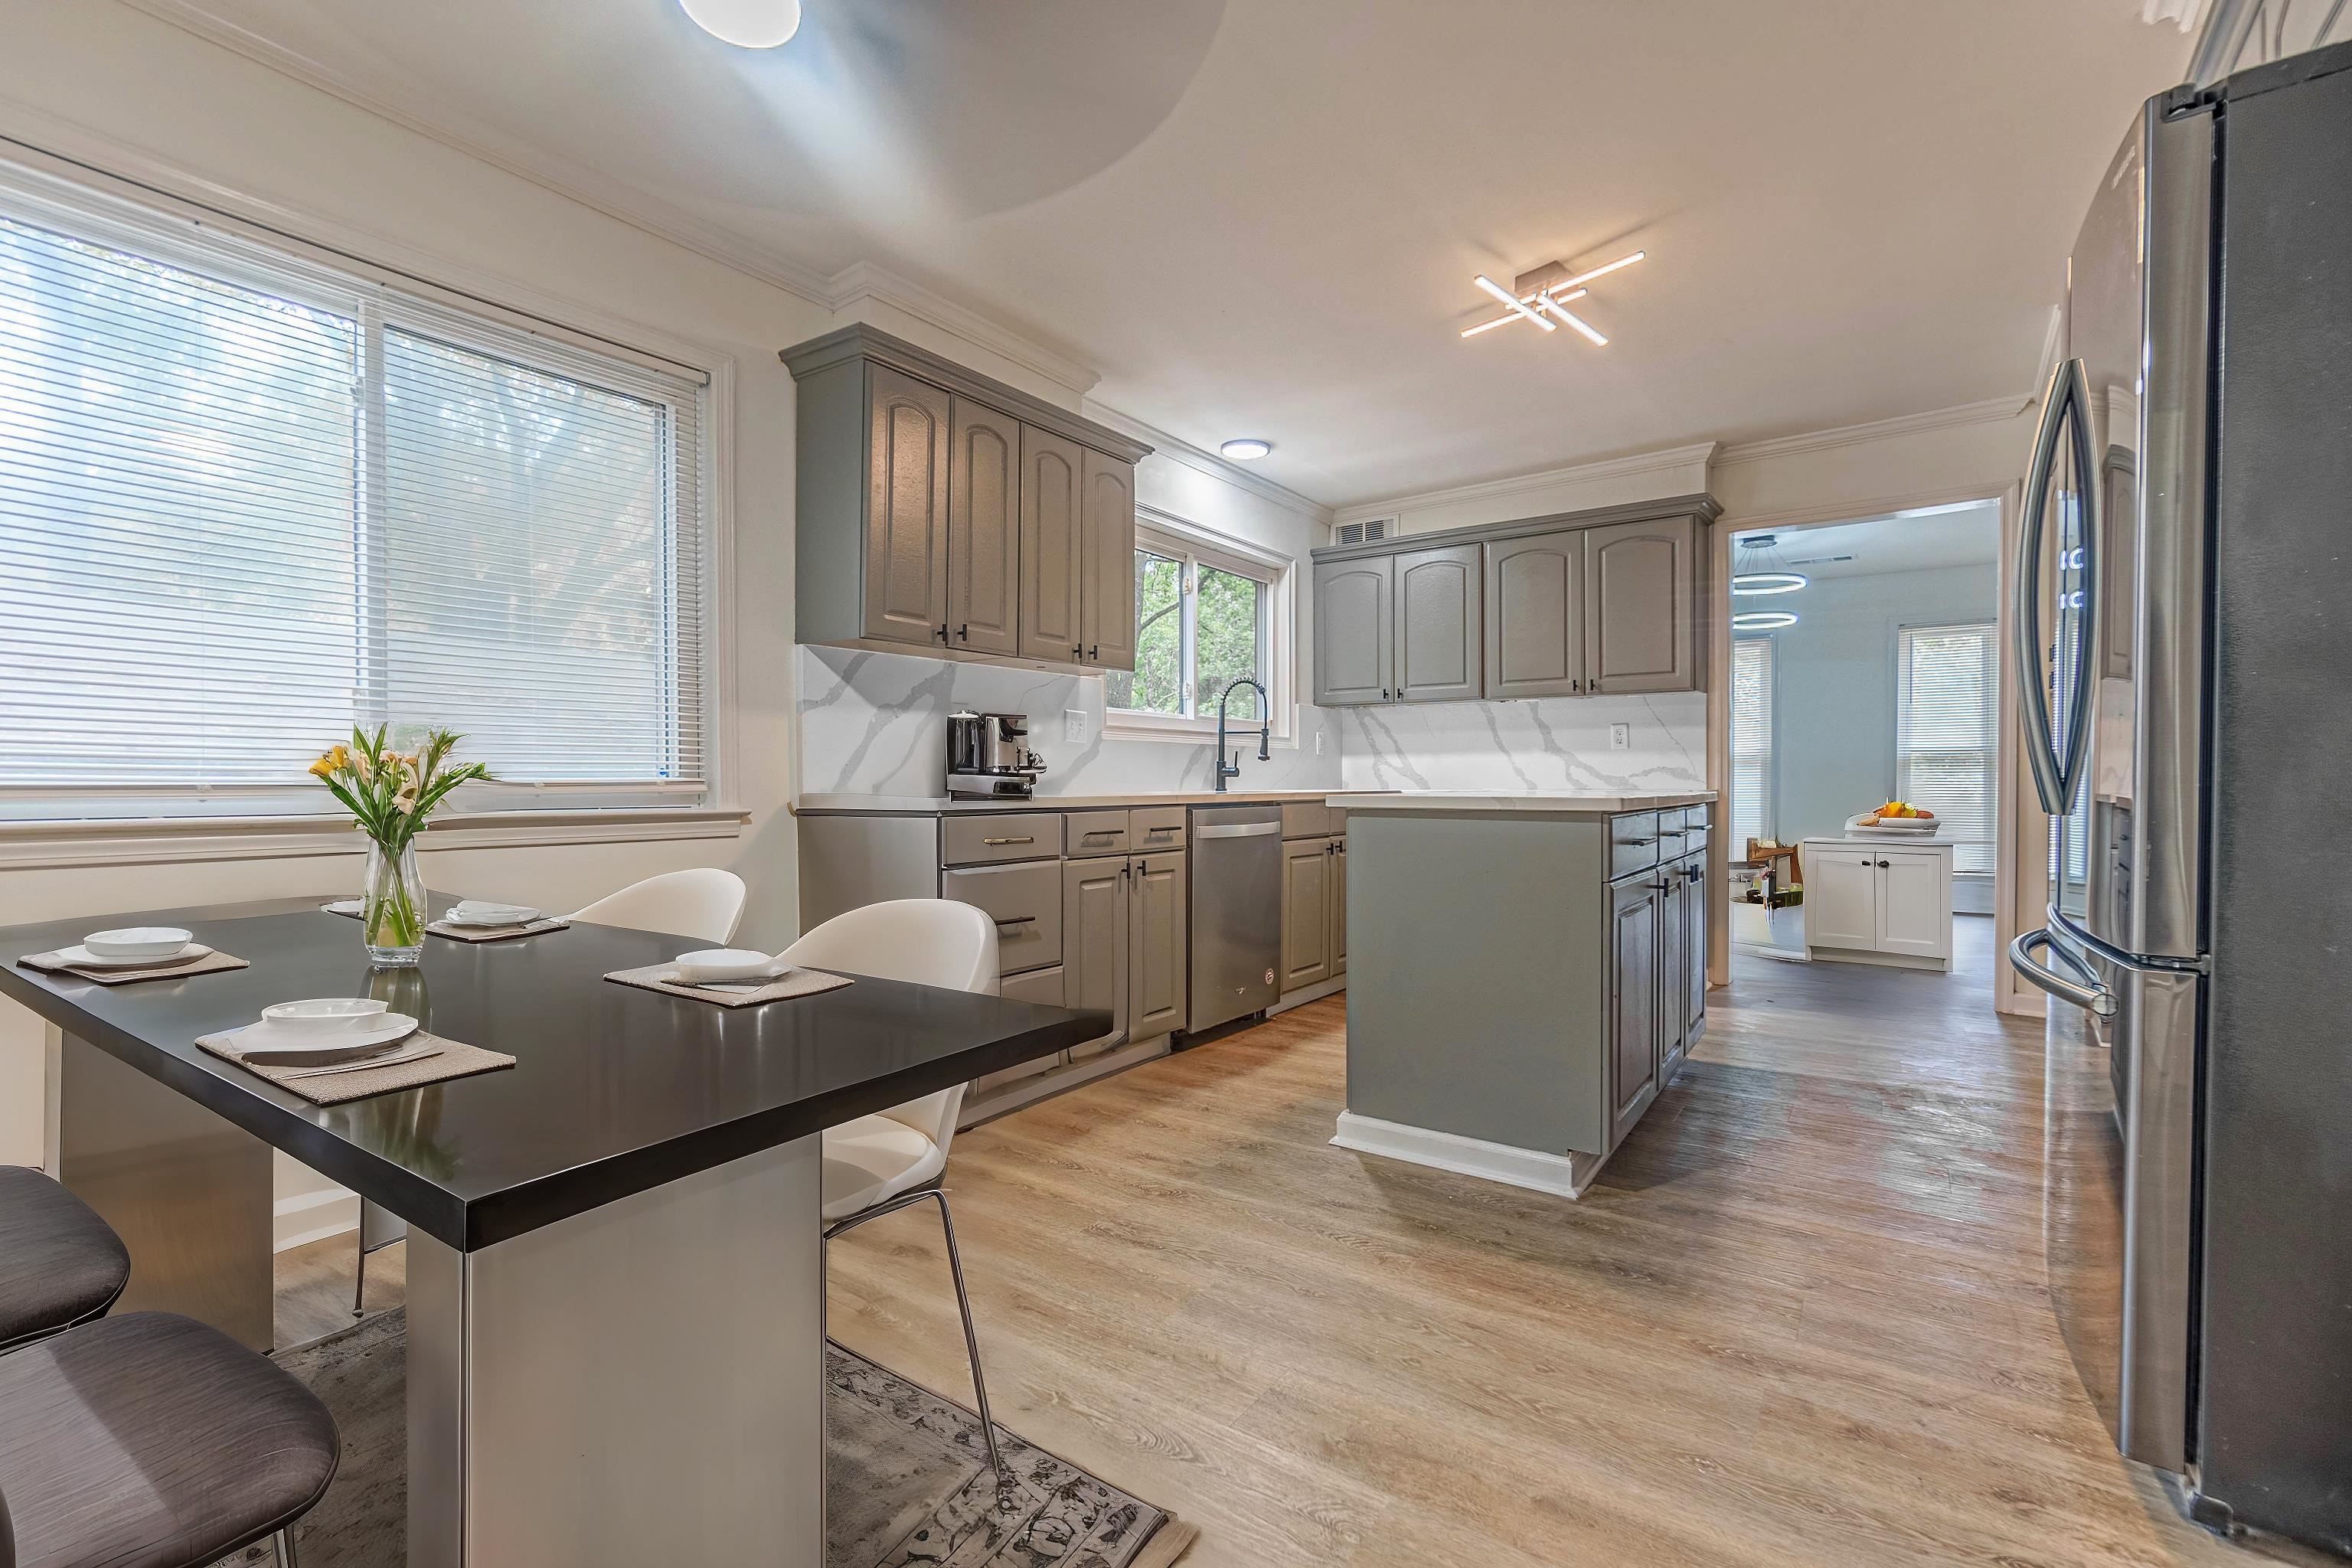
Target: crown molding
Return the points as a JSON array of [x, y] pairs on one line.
[[1992, 410], [1207, 462], [1699, 454], [866, 282]]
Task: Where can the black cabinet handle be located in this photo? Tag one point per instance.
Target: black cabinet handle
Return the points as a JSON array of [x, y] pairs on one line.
[[943, 631], [963, 633], [1882, 865], [1094, 654], [1596, 684], [1576, 685], [1017, 921]]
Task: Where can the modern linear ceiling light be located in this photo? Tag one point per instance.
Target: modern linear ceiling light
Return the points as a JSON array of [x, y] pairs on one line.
[[1543, 294], [746, 24], [1761, 570], [1763, 620], [1248, 449]]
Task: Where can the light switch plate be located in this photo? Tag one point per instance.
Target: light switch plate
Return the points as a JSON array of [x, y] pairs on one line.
[[1319, 743], [1074, 726], [1620, 737]]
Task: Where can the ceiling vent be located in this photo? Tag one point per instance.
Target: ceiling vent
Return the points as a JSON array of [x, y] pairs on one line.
[[1363, 532]]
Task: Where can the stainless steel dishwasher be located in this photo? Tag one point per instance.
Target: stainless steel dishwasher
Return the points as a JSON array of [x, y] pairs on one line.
[[1236, 913]]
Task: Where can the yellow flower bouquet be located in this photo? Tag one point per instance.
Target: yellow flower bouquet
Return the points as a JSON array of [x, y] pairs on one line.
[[390, 793]]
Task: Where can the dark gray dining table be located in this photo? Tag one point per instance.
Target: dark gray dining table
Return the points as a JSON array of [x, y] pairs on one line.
[[615, 1299]]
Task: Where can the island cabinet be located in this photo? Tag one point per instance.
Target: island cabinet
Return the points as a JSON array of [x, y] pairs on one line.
[[1879, 900], [1611, 601], [1534, 977], [939, 510]]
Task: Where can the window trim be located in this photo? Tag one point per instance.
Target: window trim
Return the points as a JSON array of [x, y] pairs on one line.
[[1165, 533], [159, 210], [1771, 813]]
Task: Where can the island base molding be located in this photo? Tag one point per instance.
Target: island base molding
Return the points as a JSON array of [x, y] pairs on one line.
[[1562, 1175]]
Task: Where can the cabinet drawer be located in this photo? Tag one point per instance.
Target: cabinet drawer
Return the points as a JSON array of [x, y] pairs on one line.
[[1305, 819], [1039, 985], [1700, 815], [1674, 838], [1633, 842], [1695, 838], [1156, 827], [1025, 902], [1089, 833], [979, 840]]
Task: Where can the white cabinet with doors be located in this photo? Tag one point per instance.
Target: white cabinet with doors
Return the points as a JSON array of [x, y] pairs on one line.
[[1879, 900]]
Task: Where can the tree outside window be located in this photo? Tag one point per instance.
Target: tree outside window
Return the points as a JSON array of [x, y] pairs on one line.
[[1200, 626]]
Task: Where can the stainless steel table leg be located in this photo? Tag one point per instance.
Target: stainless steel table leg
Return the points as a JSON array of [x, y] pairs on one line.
[[643, 1383], [188, 1192]]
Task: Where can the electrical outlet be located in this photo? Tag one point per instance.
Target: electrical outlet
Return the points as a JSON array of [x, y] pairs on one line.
[[1620, 737], [1319, 743], [1074, 726]]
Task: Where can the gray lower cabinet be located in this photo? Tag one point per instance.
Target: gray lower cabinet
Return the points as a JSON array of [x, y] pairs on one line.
[[1535, 616], [1440, 647], [1355, 630], [1696, 932], [1674, 935], [1025, 901], [1339, 907], [1632, 1033], [1039, 985], [1053, 584], [1642, 624], [1306, 875], [1159, 934], [1095, 900], [983, 528]]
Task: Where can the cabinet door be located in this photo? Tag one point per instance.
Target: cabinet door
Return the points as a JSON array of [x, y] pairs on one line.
[[1632, 1034], [1912, 907], [1353, 628], [1107, 538], [1840, 898], [1697, 929], [1674, 931], [1339, 907], [1440, 646], [983, 528], [1042, 986], [906, 509], [1535, 616], [1095, 944], [1053, 471], [1306, 911], [1157, 938], [1640, 590]]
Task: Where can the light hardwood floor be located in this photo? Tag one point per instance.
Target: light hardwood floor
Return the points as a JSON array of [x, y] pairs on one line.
[[1801, 1319]]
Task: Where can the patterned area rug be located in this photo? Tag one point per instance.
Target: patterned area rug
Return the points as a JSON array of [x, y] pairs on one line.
[[907, 1477]]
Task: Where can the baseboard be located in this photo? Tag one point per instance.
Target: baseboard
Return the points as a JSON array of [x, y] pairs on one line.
[[1784, 954], [1045, 1084], [1306, 993], [1883, 960], [1562, 1175], [311, 1217]]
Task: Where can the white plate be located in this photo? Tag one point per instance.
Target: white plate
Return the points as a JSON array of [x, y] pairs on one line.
[[136, 941], [83, 958], [475, 915], [1898, 827], [719, 964], [264, 1040]]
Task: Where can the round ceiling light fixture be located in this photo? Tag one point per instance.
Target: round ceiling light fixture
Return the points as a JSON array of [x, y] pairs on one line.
[[1761, 570], [746, 24], [1248, 449], [1763, 620]]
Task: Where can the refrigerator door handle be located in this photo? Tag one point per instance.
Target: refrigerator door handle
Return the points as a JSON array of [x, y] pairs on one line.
[[2086, 994], [2056, 774]]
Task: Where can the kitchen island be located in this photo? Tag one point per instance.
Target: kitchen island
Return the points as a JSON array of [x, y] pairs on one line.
[[1527, 972]]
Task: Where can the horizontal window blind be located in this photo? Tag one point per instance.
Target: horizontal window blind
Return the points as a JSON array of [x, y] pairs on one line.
[[1751, 740], [1946, 738], [236, 518]]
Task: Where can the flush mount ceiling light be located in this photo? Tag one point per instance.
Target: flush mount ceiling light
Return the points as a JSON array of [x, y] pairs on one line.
[[1248, 449], [746, 24], [1543, 294], [1763, 620], [1761, 570]]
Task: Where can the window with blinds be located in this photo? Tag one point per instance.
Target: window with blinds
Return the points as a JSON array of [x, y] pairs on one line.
[[241, 513], [1946, 737], [1751, 740]]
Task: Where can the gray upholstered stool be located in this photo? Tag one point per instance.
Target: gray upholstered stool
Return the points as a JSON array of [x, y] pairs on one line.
[[151, 1441], [60, 1263]]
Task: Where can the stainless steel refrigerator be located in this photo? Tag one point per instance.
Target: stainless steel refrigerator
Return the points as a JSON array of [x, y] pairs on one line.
[[2183, 647]]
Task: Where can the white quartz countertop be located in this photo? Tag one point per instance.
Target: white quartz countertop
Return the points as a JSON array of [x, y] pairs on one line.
[[809, 804], [1453, 801]]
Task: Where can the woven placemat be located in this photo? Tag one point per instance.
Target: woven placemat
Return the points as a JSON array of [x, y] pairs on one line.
[[213, 962], [796, 983], [456, 1060], [350, 907]]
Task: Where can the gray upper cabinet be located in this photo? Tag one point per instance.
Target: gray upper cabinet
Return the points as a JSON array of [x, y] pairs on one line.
[[1107, 531], [940, 508], [1355, 628], [1053, 472], [1159, 934], [1535, 616], [1642, 604], [1095, 950], [1439, 647], [907, 508], [983, 528]]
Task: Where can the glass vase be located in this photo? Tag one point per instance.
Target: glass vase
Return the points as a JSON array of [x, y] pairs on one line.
[[392, 907]]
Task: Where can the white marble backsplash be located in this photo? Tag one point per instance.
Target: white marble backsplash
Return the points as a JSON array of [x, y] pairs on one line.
[[876, 724], [1534, 745]]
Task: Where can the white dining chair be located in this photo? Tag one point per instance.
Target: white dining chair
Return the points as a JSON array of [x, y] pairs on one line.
[[897, 1157], [703, 903]]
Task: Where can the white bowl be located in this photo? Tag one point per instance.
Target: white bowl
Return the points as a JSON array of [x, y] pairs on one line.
[[475, 912], [136, 941], [716, 963], [327, 1014]]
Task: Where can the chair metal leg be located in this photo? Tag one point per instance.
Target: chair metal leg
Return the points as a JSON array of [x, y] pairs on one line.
[[359, 1280], [971, 1340], [285, 1540]]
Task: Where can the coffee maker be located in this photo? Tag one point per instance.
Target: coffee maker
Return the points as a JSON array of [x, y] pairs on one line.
[[989, 757]]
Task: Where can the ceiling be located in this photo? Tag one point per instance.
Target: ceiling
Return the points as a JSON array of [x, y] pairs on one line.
[[1966, 535], [1261, 216]]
